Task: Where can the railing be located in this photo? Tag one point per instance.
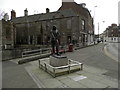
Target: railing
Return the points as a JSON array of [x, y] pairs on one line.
[[35, 52], [56, 71]]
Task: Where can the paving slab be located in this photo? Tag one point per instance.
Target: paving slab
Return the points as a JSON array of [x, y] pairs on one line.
[[51, 83], [71, 83], [90, 77], [63, 86], [110, 83], [94, 70], [92, 84]]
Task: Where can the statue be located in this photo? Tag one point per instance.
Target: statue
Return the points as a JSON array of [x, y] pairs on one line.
[[55, 37]]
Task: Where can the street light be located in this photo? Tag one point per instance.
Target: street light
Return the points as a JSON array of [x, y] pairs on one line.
[[94, 11], [94, 14], [94, 21], [99, 28]]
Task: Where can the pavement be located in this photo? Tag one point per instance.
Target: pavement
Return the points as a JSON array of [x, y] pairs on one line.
[[111, 50], [89, 77], [92, 76]]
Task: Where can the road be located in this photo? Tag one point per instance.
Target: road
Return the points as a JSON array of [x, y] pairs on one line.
[[16, 76], [95, 56], [112, 50]]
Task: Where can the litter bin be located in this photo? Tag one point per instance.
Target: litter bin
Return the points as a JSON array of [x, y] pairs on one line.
[[70, 47]]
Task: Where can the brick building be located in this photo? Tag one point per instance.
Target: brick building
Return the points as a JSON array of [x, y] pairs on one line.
[[73, 21], [7, 40], [7, 34], [119, 13], [112, 33]]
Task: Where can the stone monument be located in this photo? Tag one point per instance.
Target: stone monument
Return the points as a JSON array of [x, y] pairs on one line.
[[57, 64], [56, 59]]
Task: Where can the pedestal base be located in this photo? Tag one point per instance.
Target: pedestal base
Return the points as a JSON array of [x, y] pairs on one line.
[[57, 61]]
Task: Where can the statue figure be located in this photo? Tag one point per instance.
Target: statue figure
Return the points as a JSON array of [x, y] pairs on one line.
[[55, 36]]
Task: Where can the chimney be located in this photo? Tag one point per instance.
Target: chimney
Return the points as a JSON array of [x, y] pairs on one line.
[[67, 0], [113, 25], [64, 2], [13, 14], [47, 10], [83, 5], [6, 17], [26, 12]]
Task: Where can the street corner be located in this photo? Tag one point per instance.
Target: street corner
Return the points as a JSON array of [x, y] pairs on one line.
[[109, 52]]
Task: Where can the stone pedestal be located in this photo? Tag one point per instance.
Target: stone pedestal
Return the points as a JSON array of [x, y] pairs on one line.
[[57, 61]]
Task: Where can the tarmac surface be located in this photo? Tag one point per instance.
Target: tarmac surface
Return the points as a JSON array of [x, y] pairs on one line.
[[112, 50], [99, 71]]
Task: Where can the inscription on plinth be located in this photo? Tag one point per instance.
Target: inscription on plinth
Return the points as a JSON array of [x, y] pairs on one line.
[[57, 61]]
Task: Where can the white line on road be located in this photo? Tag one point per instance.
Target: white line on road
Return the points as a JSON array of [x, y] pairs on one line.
[[110, 55]]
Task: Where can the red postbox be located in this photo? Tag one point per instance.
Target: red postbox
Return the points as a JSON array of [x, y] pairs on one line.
[[70, 47]]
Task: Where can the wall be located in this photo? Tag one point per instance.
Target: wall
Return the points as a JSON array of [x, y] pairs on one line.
[[10, 54], [7, 41], [113, 39], [119, 12], [7, 35], [0, 40]]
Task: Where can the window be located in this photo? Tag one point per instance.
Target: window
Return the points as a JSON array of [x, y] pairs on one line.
[[69, 24], [83, 24], [8, 32], [111, 38], [115, 39]]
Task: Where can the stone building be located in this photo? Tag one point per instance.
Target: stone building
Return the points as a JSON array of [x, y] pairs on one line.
[[7, 34], [119, 13], [7, 40], [112, 33], [73, 21]]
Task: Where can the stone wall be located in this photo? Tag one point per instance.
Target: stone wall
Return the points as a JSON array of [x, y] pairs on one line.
[[119, 13], [0, 35], [0, 40], [10, 54], [7, 35]]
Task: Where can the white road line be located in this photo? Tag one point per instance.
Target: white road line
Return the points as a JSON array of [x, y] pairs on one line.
[[110, 55]]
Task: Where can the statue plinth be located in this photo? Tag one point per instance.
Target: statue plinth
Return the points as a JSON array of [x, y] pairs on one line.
[[57, 61]]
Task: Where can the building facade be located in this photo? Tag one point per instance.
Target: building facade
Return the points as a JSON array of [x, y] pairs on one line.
[[112, 33], [73, 21], [119, 13], [7, 34]]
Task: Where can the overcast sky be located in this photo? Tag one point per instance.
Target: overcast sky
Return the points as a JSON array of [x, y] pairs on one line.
[[106, 10]]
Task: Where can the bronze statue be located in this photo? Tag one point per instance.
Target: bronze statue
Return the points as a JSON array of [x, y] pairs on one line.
[[55, 36]]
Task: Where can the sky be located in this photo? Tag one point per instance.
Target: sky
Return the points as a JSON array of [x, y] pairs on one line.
[[119, 13], [106, 10]]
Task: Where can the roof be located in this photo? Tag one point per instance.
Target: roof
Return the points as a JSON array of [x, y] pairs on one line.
[[44, 16], [77, 8]]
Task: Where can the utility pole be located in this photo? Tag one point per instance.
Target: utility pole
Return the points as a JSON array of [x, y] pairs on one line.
[[98, 39], [94, 23]]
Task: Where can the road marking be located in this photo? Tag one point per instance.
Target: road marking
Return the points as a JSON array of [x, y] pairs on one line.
[[79, 78], [109, 55]]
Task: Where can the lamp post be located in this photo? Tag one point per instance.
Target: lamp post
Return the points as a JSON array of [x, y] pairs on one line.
[[119, 34], [98, 30], [94, 22], [94, 14], [98, 39], [94, 17]]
